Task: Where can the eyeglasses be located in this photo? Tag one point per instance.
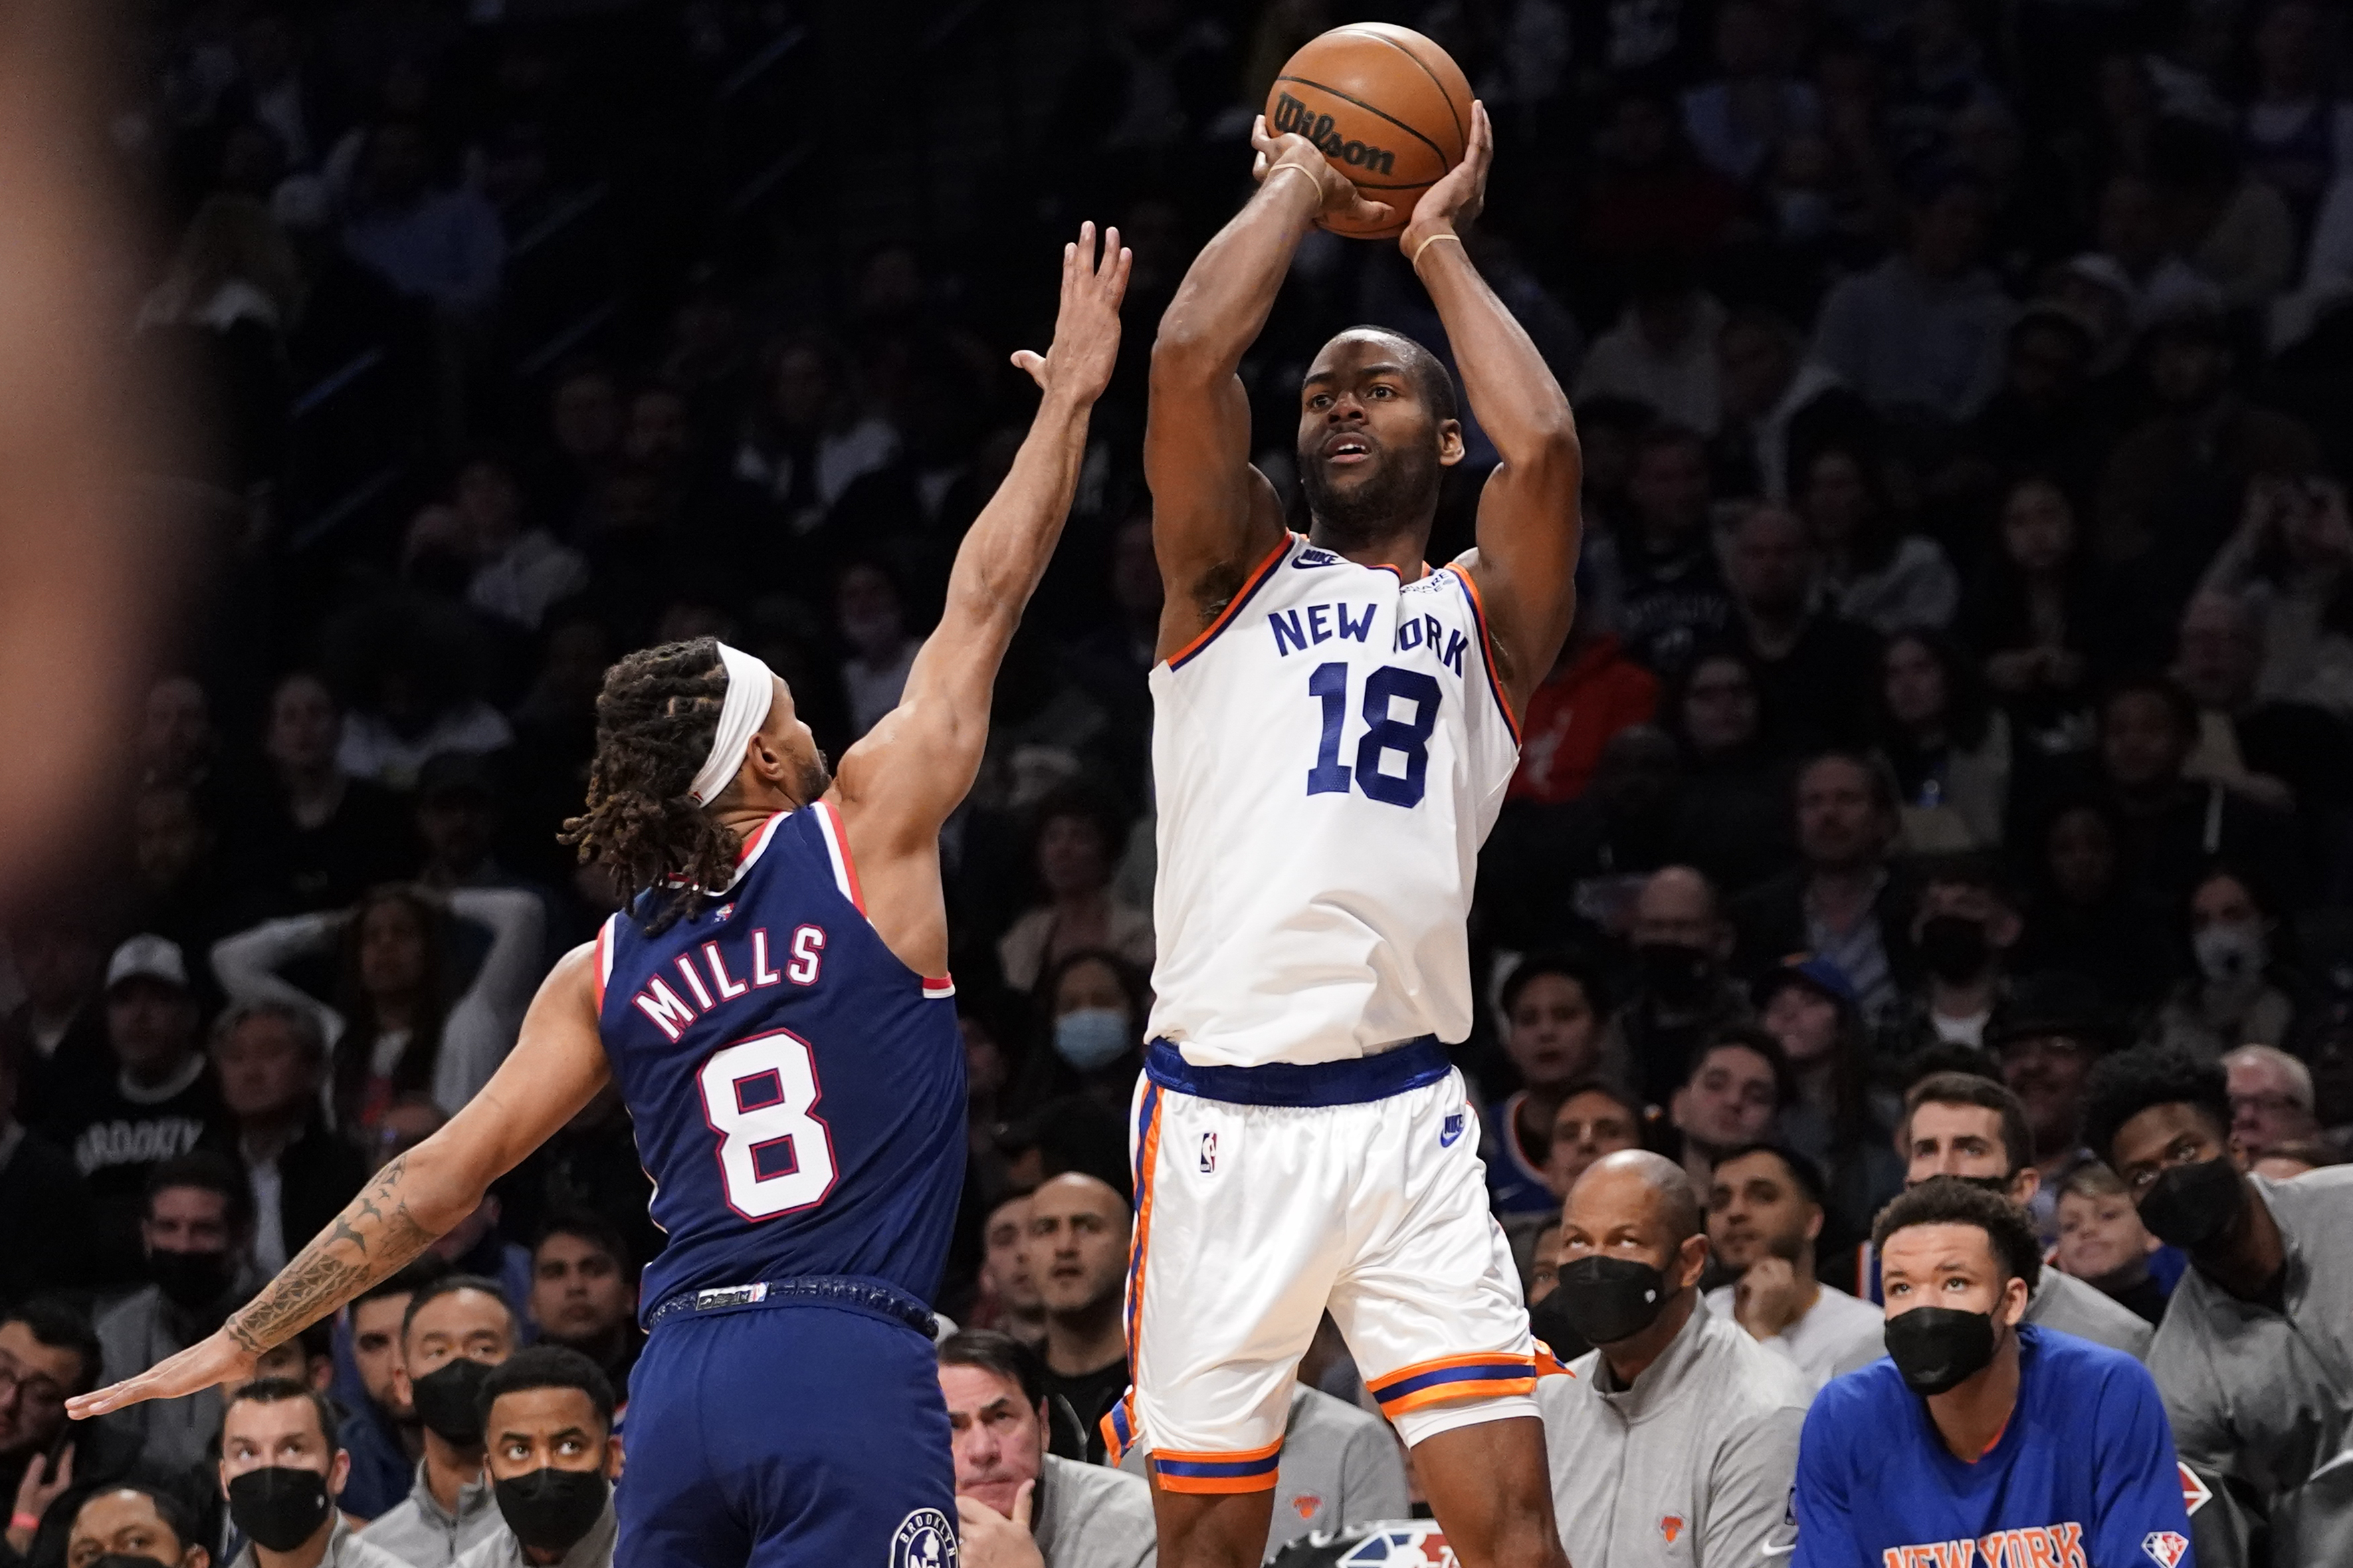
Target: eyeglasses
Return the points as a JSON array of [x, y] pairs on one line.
[[36, 1390]]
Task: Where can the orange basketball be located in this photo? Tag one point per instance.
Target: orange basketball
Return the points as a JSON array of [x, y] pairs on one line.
[[1389, 109]]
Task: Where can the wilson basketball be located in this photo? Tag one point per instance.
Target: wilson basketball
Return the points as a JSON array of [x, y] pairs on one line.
[[1389, 109]]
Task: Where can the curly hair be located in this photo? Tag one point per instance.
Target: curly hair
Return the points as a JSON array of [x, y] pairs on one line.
[[1951, 1200], [655, 718], [2128, 1083]]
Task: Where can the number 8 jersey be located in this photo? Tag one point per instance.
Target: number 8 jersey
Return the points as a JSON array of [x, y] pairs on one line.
[[798, 1092], [1327, 758]]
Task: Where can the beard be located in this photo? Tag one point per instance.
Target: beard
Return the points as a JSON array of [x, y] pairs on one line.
[[816, 778], [1402, 485]]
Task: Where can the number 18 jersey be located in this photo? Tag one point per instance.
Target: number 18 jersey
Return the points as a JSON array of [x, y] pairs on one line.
[[1327, 758]]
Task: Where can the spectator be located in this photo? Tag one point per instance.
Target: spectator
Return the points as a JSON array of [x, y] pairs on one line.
[[2291, 558], [2085, 917], [1673, 598], [1678, 1420], [2272, 1103], [1072, 856], [2063, 1445], [1661, 351], [547, 1415], [1764, 1217], [1682, 998], [197, 1232], [1555, 1012], [321, 838], [1963, 927], [1813, 665], [1092, 1009], [161, 1101], [1871, 573], [583, 1294], [2236, 230], [1008, 1487], [2285, 751], [1950, 746], [1599, 846], [1959, 1124], [1841, 903], [2043, 424], [2046, 1034], [1010, 1302], [1732, 816], [1736, 119], [455, 1331], [61, 964], [1920, 335], [1596, 1119], [1778, 402], [2035, 619], [2102, 1243], [1834, 1117], [1650, 192], [2294, 133], [381, 1432], [1595, 692], [2238, 995], [1077, 1252], [1737, 1084], [2243, 1352], [272, 1062], [395, 1027], [872, 616], [808, 441], [309, 1358], [48, 1354], [518, 569], [2173, 827], [440, 244], [283, 1473], [44, 1209], [135, 1522]]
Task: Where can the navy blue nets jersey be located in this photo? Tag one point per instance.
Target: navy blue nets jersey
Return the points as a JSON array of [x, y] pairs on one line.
[[798, 1091]]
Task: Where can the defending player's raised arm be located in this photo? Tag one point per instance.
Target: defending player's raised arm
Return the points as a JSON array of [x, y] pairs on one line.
[[899, 783], [557, 1066], [1213, 515], [1525, 561]]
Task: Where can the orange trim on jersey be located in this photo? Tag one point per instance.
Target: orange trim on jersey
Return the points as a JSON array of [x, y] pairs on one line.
[[1487, 649], [842, 845], [1147, 1163], [603, 963], [1251, 584]]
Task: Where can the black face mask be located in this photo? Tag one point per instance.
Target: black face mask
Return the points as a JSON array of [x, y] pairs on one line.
[[1549, 1321], [1606, 1300], [279, 1506], [1953, 948], [191, 1280], [446, 1401], [1939, 1348], [130, 1560], [1675, 973], [549, 1509], [2191, 1205]]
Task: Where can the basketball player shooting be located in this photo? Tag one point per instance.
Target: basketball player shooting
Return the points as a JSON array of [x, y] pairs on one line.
[[796, 1079], [1333, 732]]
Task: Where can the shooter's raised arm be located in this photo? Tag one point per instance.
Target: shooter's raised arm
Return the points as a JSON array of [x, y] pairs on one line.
[[1213, 515]]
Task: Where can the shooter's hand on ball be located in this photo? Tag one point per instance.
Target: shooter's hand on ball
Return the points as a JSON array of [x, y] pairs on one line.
[[1452, 204], [1336, 194]]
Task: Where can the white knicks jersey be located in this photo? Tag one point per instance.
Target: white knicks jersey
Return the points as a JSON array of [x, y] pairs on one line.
[[1327, 758]]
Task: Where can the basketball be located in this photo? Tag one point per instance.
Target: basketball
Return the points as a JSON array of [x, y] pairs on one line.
[[1389, 109]]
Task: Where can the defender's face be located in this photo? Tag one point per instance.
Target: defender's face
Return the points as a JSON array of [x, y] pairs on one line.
[[793, 740], [1361, 416]]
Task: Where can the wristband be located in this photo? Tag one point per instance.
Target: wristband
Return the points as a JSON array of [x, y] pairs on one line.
[[1301, 169], [24, 1521], [1414, 260]]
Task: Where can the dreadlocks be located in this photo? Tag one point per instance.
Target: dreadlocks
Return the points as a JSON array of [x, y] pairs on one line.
[[655, 720]]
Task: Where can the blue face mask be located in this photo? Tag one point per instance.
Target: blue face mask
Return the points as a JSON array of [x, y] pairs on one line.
[[1090, 1037]]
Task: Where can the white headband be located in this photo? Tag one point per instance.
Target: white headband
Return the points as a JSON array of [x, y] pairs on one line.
[[750, 692]]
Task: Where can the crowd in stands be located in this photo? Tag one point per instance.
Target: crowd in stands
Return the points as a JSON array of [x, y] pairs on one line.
[[1949, 771]]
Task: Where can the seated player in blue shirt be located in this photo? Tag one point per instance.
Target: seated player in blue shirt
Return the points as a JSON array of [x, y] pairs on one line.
[[1982, 1442]]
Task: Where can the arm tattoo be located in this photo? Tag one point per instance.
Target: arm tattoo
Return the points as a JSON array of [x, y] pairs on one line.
[[368, 1241]]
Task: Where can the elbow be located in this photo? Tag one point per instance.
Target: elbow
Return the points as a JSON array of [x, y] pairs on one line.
[[1549, 443], [1184, 353]]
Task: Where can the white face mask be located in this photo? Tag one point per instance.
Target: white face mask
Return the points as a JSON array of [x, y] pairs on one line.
[[2232, 951]]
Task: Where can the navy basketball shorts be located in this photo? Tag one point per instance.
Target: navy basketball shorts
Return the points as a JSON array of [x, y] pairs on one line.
[[785, 1436]]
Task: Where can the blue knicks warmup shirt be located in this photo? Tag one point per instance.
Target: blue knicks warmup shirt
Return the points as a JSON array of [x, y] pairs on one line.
[[798, 1091], [2084, 1475]]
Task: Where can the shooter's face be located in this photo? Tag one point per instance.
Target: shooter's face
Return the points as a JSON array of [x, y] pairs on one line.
[[1370, 445]]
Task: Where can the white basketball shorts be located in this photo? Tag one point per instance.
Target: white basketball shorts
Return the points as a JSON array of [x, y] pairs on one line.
[[1266, 1195]]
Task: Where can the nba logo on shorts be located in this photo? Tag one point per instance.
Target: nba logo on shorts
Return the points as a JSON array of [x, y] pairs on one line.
[[2165, 1547], [926, 1539], [1208, 1152]]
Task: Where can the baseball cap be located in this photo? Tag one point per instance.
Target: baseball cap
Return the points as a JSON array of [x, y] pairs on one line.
[[1806, 968], [147, 957]]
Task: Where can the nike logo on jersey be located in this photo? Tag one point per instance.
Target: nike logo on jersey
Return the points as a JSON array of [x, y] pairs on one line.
[[1453, 1129], [1309, 559]]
